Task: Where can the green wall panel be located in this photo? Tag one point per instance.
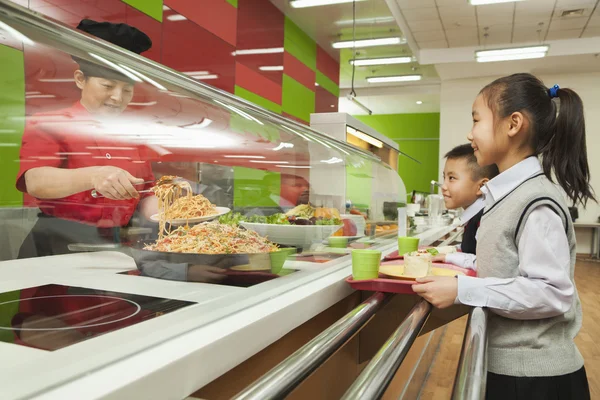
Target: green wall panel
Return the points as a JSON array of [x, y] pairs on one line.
[[153, 8], [403, 127], [253, 187], [233, 2], [426, 125], [359, 183], [328, 84], [300, 45], [12, 104], [8, 312], [256, 99], [298, 100]]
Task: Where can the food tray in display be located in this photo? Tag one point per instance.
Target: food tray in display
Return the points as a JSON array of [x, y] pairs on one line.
[[292, 235], [401, 286], [242, 262], [182, 221]]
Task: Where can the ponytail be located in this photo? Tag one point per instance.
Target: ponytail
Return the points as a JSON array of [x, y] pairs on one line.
[[566, 152], [557, 130]]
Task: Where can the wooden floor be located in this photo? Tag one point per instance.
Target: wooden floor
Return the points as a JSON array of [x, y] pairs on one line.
[[587, 278]]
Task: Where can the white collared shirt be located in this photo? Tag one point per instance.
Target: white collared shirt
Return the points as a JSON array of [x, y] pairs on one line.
[[544, 288]]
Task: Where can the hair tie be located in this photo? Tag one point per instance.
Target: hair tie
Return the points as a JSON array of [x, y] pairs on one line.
[[553, 91]]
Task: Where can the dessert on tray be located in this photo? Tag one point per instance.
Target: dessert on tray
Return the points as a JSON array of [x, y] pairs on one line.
[[417, 264]]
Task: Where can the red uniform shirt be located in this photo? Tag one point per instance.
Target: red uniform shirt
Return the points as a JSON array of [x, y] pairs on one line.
[[55, 140]]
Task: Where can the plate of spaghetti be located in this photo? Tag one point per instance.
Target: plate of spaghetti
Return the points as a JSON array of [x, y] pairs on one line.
[[212, 238], [178, 205]]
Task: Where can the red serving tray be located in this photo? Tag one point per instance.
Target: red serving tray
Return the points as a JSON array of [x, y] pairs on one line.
[[397, 285]]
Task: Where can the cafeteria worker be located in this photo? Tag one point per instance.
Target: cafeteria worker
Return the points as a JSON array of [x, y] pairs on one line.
[[60, 168]]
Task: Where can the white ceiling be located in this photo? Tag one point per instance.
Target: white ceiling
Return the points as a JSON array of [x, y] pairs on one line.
[[443, 35], [455, 23]]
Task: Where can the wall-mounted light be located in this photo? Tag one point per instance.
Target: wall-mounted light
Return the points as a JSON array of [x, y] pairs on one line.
[[364, 137]]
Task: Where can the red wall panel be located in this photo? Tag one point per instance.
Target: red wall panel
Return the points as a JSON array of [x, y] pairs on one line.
[[150, 27], [295, 69], [257, 83], [188, 47], [327, 65], [216, 16], [324, 101]]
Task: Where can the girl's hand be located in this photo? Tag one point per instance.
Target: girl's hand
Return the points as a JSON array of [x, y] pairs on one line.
[[440, 291], [441, 258]]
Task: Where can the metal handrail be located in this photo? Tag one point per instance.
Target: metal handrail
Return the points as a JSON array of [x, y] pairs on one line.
[[471, 374], [288, 374], [54, 30], [376, 377]]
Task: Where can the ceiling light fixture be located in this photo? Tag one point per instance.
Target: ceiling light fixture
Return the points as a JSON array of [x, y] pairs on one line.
[[348, 44], [381, 61], [271, 68], [366, 21], [315, 3], [176, 17], [364, 137], [397, 78], [485, 2], [273, 50], [205, 77], [419, 102], [515, 53], [358, 103]]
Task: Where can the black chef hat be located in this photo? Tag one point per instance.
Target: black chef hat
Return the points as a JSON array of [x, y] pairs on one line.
[[122, 35]]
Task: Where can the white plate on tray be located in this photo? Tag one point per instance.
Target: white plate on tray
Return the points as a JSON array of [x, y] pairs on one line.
[[292, 235], [220, 211]]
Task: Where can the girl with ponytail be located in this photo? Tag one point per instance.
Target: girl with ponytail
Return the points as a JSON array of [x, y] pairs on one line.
[[526, 241]]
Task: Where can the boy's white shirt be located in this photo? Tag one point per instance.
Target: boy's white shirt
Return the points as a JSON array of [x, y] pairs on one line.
[[544, 288], [466, 260]]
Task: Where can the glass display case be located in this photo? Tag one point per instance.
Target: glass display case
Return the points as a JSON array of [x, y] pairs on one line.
[[85, 261]]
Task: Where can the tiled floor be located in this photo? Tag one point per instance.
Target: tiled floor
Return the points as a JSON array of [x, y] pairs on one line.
[[587, 278]]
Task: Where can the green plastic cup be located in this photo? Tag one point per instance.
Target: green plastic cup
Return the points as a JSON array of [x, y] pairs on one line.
[[407, 244], [338, 242], [278, 258], [365, 264]]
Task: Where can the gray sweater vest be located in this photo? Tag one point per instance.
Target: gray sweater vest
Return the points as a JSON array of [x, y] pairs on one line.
[[542, 347]]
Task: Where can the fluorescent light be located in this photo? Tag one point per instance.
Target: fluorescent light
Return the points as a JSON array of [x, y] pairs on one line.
[[484, 2], [515, 53], [293, 166], [366, 21], [116, 67], [316, 84], [268, 162], [236, 156], [512, 50], [273, 50], [40, 96], [315, 3], [176, 17], [511, 57], [150, 103], [353, 99], [381, 61], [364, 137], [419, 102], [57, 80], [205, 77], [348, 44], [398, 78], [271, 68], [197, 72]]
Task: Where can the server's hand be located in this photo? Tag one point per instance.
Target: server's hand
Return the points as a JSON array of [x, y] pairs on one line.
[[115, 183]]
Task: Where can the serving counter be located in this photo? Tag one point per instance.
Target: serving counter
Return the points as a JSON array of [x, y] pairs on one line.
[[91, 307]]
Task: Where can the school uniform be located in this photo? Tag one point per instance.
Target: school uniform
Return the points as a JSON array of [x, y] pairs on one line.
[[525, 265]]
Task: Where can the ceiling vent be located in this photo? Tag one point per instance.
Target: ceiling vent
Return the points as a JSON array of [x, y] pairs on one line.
[[572, 13]]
